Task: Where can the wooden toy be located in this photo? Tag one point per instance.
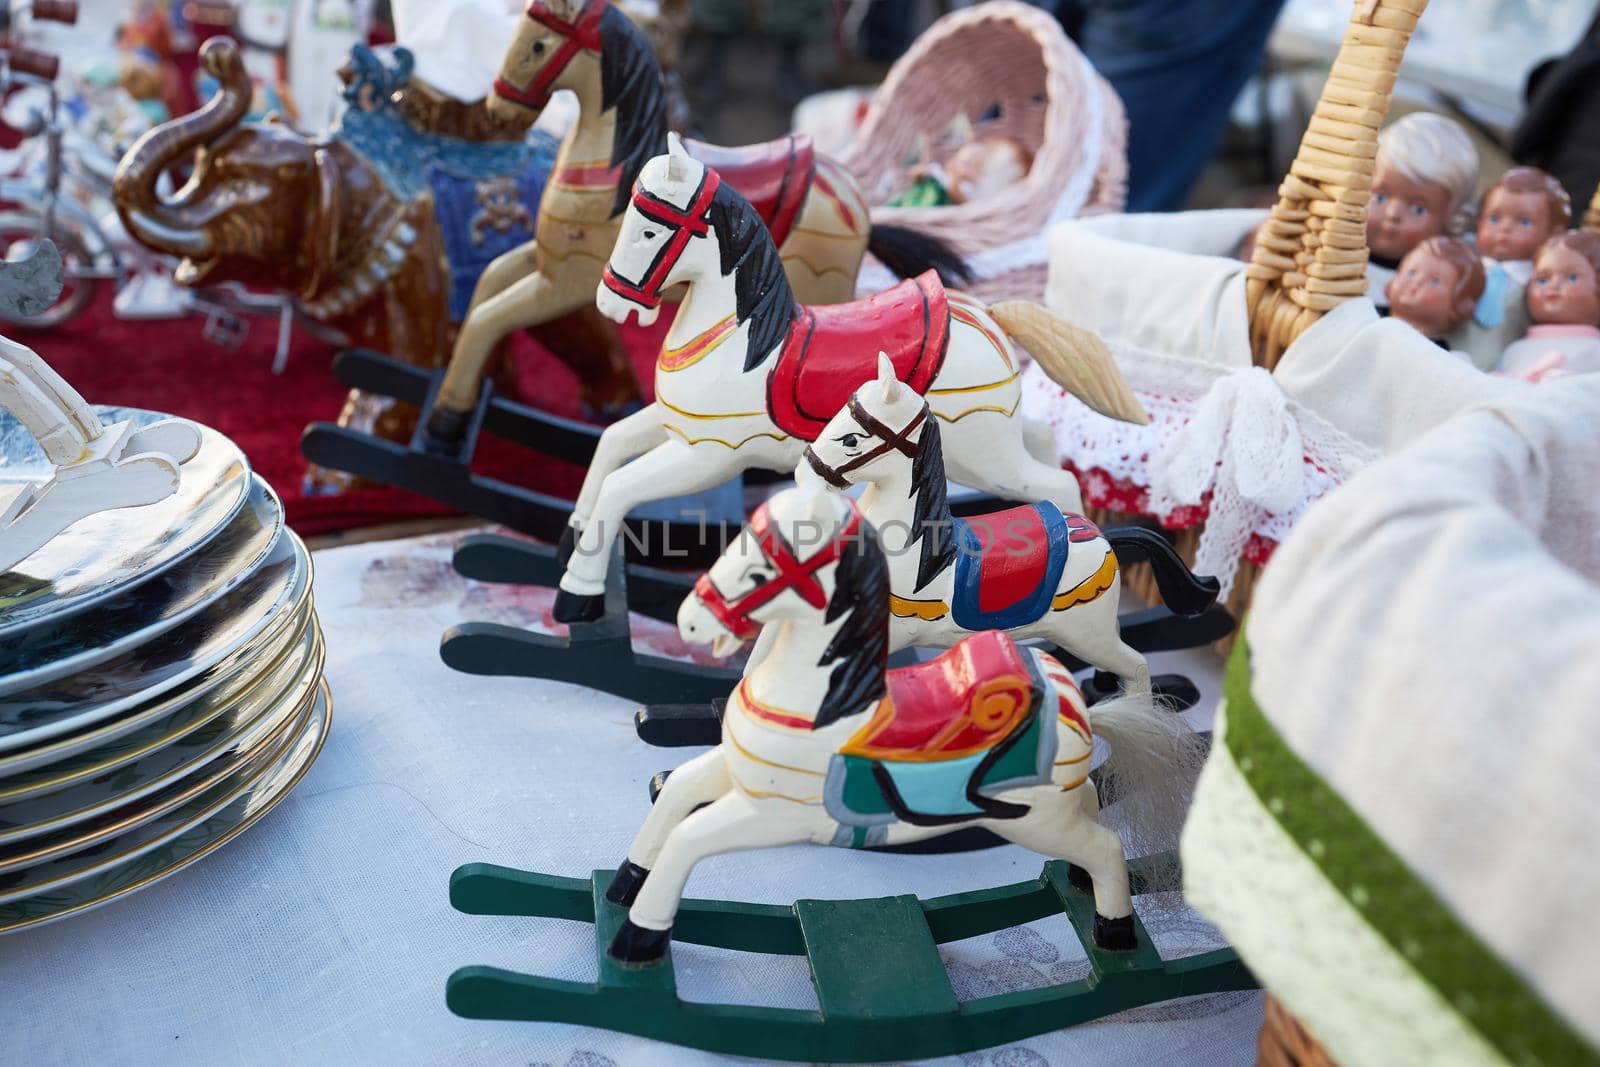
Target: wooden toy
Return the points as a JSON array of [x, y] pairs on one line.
[[1033, 571], [824, 744], [1424, 174], [810, 204], [1437, 286], [746, 376], [97, 467], [369, 227], [1564, 301]]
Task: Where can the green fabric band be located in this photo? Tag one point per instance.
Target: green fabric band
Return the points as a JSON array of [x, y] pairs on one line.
[[1480, 987]]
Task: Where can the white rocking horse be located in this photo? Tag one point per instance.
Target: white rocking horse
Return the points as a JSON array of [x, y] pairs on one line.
[[822, 743], [1034, 570], [97, 467], [746, 377]]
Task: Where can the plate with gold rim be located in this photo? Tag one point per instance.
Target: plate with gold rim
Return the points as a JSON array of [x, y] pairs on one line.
[[205, 695], [253, 687], [102, 556], [65, 705], [63, 645], [215, 751], [67, 848], [209, 830]]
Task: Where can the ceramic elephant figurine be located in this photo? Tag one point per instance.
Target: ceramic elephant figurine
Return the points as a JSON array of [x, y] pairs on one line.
[[378, 228]]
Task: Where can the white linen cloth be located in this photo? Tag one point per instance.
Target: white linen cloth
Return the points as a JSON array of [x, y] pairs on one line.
[[325, 934], [1426, 643]]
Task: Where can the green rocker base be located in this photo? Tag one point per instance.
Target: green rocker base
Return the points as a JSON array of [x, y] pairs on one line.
[[881, 986]]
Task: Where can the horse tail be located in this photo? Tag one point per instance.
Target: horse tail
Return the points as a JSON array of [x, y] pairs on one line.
[[1182, 590], [1074, 358], [908, 253], [1148, 781]]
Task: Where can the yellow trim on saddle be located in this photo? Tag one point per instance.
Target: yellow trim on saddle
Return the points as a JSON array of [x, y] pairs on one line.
[[1076, 784], [975, 388], [1076, 759], [1007, 412], [696, 348], [926, 610], [1091, 588], [997, 705]]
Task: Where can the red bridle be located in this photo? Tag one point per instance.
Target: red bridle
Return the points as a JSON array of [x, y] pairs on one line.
[[692, 221], [580, 35], [799, 575]]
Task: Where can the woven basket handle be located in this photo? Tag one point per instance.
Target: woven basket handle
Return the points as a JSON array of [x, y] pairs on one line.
[[1311, 255]]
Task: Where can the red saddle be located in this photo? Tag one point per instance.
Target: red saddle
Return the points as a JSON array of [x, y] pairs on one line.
[[968, 699], [833, 349], [775, 177]]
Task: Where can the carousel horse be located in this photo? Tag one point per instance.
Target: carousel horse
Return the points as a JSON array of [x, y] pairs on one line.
[[746, 376], [1033, 571], [811, 204], [822, 743]]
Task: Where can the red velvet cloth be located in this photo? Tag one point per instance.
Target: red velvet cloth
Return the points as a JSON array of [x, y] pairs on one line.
[[169, 366]]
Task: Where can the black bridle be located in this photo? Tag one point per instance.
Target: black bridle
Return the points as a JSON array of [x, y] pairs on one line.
[[893, 441]]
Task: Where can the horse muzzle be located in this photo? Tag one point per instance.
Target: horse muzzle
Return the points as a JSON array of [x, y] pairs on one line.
[[617, 307]]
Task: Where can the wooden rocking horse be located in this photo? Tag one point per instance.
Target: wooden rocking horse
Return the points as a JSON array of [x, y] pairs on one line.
[[1033, 571], [823, 743], [746, 376]]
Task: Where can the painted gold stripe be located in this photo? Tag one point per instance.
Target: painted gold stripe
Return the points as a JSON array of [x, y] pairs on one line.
[[926, 610], [753, 758], [1080, 759], [975, 388], [763, 794], [719, 415], [1074, 785], [1091, 588], [1007, 412], [696, 348], [724, 442]]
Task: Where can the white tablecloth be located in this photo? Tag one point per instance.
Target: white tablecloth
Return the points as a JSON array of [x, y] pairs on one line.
[[325, 933]]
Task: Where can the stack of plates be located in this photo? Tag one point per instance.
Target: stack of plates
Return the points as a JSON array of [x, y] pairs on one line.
[[160, 682]]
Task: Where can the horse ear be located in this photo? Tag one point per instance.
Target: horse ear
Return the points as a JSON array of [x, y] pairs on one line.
[[888, 379], [677, 159]]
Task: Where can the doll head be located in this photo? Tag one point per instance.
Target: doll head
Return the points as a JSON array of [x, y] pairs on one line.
[[1423, 176], [986, 166], [1437, 285], [1565, 287], [1520, 212]]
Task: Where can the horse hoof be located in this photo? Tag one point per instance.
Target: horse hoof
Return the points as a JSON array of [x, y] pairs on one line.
[[1115, 935], [445, 429], [1079, 878], [658, 782], [571, 607], [636, 945], [626, 883], [566, 546]]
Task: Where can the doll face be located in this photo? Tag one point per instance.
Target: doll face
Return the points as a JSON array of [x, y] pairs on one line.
[[1513, 225], [985, 167], [1564, 290], [1423, 293], [1404, 213]]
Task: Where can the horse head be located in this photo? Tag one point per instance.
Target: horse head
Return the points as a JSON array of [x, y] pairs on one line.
[[879, 431], [784, 565], [540, 59], [669, 215]]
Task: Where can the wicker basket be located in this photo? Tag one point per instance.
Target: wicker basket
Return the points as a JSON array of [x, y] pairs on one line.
[[1591, 217], [1284, 1042], [1311, 255], [1013, 59]]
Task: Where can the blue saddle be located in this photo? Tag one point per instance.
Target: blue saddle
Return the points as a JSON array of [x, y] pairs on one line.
[[1008, 565]]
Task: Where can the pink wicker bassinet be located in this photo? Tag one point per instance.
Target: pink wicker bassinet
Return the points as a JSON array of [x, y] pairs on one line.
[[1012, 70]]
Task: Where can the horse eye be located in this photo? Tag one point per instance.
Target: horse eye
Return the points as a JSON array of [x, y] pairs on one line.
[[850, 440], [649, 235], [538, 48], [757, 579]]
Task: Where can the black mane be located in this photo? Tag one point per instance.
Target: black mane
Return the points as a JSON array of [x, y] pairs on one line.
[[860, 648], [762, 293], [930, 519], [630, 81]]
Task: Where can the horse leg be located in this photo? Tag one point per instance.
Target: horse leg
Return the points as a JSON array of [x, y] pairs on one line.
[[506, 268], [1092, 633], [700, 781], [1063, 824], [619, 442], [525, 302], [671, 468], [1040, 440], [1000, 463], [735, 823]]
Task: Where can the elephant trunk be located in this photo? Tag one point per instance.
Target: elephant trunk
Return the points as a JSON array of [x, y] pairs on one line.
[[152, 220]]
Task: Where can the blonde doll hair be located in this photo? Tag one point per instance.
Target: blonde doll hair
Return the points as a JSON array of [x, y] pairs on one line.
[[1425, 147]]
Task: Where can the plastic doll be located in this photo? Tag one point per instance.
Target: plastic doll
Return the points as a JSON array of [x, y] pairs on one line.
[[1424, 174], [1437, 286], [1521, 211], [980, 168], [1564, 301]]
